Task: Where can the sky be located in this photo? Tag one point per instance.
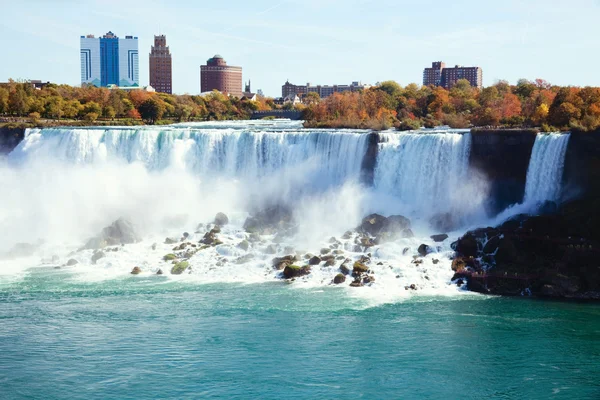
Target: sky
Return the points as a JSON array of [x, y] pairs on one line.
[[317, 41]]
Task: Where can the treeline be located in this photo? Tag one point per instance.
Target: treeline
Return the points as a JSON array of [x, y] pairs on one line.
[[87, 105], [527, 104]]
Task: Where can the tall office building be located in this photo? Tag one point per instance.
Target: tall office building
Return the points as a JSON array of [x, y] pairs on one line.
[[160, 65], [217, 75], [439, 75], [109, 60]]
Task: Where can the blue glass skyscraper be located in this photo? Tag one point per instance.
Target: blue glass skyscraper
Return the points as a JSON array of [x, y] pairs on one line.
[[109, 60]]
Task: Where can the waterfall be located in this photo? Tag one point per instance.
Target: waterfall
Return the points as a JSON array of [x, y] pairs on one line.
[[240, 151], [423, 170], [544, 175]]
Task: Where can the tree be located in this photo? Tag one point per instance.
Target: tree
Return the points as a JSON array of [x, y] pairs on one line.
[[311, 98], [151, 110], [109, 112], [3, 101], [17, 101]]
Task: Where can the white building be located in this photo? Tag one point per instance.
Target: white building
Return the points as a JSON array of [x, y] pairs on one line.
[[109, 60]]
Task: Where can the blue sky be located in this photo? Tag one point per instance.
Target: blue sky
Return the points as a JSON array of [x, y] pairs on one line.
[[317, 41]]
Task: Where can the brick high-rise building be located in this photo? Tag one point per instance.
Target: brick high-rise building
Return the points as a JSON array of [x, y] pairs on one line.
[[217, 75], [439, 75], [160, 66]]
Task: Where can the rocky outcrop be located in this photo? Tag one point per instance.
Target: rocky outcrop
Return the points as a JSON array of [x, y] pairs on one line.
[[10, 138], [546, 256], [271, 220], [221, 219], [119, 232], [294, 271]]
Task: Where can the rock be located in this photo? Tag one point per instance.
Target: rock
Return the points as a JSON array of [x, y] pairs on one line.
[[97, 255], [244, 245], [314, 260], [325, 251], [411, 287], [154, 246], [467, 245], [373, 224], [507, 252], [405, 251], [407, 234], [221, 219], [347, 235], [491, 245], [356, 283], [344, 269], [72, 262], [169, 257], [136, 271], [397, 223], [159, 272], [270, 220], [170, 240], [439, 238], [368, 279], [367, 242], [424, 250], [359, 268], [186, 235], [338, 252], [294, 271], [179, 268], [121, 231], [280, 263], [339, 279], [330, 262], [435, 261]]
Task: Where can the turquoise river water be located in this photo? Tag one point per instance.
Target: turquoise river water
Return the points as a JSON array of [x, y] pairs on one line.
[[139, 337]]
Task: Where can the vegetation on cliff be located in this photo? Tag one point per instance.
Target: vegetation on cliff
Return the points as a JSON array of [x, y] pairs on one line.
[[63, 104], [527, 104]]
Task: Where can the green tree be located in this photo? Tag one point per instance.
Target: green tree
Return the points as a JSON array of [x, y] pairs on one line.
[[17, 101], [152, 110], [3, 100]]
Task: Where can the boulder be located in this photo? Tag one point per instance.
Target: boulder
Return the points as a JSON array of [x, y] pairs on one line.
[[170, 240], [72, 262], [244, 245], [280, 263], [339, 279], [294, 271], [467, 245], [439, 238], [330, 262], [344, 269], [136, 271], [169, 257], [159, 272], [368, 279], [315, 260], [221, 219], [356, 283], [373, 224], [121, 231], [97, 255], [359, 268], [325, 251], [270, 220], [424, 250], [179, 268]]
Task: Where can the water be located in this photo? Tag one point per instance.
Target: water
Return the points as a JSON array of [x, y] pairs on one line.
[[544, 176], [231, 329], [137, 338]]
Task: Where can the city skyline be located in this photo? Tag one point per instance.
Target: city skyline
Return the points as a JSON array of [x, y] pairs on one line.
[[367, 40]]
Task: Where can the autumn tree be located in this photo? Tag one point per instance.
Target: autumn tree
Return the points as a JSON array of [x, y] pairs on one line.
[[152, 110]]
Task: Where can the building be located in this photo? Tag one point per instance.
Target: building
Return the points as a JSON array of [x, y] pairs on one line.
[[149, 89], [160, 66], [439, 75], [217, 75], [323, 91], [109, 60]]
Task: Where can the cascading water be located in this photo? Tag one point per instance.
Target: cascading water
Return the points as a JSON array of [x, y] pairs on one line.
[[544, 175], [424, 170], [237, 151]]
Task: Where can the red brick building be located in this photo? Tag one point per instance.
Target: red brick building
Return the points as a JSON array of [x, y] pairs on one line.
[[161, 66], [217, 75], [439, 75]]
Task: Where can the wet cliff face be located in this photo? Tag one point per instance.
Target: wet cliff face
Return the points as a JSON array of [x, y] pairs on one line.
[[10, 138], [502, 157], [582, 165]]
